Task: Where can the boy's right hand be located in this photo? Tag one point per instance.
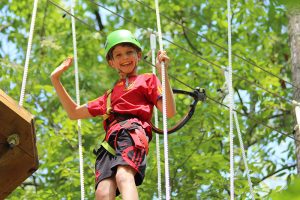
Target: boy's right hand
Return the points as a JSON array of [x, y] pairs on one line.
[[61, 68]]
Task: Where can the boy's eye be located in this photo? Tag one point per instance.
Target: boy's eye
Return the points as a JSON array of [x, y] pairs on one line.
[[127, 53], [130, 52]]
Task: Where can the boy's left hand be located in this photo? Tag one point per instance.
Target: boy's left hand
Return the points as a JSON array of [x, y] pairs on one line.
[[61, 68]]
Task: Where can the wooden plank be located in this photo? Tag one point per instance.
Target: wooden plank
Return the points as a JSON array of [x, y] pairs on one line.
[[14, 107], [19, 162]]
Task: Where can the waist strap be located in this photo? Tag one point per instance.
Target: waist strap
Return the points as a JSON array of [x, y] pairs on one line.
[[136, 132], [115, 118], [108, 148]]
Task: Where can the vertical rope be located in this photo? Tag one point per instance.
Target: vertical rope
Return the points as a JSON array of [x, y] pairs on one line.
[[153, 48], [231, 104], [164, 106], [241, 144], [243, 154], [78, 103], [29, 45]]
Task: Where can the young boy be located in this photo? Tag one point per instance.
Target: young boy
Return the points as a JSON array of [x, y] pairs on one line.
[[127, 110]]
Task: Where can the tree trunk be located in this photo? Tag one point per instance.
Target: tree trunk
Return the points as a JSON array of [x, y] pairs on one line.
[[294, 34]]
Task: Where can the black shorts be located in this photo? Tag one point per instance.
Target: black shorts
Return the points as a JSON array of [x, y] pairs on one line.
[[126, 154]]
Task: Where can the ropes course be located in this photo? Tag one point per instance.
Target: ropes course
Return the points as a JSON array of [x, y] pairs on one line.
[[196, 94], [234, 114], [187, 85]]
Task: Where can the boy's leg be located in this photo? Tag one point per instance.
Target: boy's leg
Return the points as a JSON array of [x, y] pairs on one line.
[[106, 189], [126, 183]]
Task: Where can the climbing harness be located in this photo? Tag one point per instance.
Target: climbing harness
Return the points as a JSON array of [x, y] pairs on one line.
[[108, 105], [107, 147], [134, 129]]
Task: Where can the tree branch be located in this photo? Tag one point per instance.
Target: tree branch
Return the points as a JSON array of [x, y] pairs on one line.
[[251, 129], [241, 100], [277, 171], [188, 40], [99, 21], [278, 115]]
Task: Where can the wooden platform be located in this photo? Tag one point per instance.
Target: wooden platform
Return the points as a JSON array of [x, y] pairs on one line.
[[19, 159]]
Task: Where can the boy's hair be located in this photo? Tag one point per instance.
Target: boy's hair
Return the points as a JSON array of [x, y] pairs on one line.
[[124, 44]]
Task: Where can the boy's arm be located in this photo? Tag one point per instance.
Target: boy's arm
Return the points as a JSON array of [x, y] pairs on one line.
[[171, 105], [73, 110]]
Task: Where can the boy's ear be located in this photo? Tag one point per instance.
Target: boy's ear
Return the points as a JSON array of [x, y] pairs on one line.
[[139, 54], [110, 62]]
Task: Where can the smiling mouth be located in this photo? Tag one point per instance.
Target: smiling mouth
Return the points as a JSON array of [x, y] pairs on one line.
[[125, 64]]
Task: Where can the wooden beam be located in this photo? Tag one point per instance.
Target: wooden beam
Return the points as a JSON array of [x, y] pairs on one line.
[[18, 160]]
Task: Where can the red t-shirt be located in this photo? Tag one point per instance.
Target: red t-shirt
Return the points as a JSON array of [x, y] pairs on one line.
[[138, 99]]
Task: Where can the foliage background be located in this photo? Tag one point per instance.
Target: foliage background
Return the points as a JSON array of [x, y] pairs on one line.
[[195, 36]]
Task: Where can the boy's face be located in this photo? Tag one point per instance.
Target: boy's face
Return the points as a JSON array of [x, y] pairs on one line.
[[125, 59]]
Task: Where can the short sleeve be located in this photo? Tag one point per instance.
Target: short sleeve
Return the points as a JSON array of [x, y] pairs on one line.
[[97, 106], [154, 91]]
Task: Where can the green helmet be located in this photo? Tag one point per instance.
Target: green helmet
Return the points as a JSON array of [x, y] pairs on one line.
[[120, 36]]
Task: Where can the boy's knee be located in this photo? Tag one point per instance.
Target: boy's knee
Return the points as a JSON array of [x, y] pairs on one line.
[[106, 189], [102, 193], [125, 175]]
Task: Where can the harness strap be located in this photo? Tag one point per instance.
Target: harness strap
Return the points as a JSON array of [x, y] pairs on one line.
[[108, 148], [138, 136], [108, 105], [140, 139]]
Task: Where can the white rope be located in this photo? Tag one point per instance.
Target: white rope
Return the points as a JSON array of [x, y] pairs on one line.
[[241, 144], [153, 49], [164, 106], [228, 77], [29, 45], [244, 155], [78, 103], [231, 103]]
